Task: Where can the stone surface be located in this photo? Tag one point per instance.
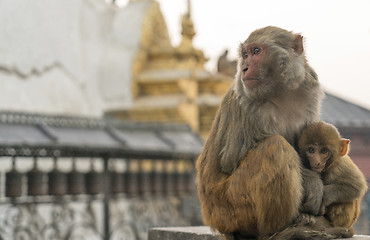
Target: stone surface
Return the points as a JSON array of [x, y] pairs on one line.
[[182, 233], [199, 233]]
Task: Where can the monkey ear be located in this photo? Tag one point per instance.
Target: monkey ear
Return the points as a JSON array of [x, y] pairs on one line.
[[298, 44], [344, 146]]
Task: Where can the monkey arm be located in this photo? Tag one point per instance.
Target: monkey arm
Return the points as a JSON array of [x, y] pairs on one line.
[[337, 193], [313, 190], [268, 177], [344, 182], [261, 196]]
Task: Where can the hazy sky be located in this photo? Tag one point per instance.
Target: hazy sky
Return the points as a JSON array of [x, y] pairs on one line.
[[337, 34]]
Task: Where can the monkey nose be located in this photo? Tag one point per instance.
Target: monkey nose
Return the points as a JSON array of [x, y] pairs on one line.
[[245, 69]]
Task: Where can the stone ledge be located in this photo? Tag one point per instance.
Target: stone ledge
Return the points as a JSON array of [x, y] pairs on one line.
[[182, 233], [200, 233]]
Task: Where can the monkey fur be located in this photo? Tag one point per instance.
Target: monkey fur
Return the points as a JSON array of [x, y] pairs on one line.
[[313, 192], [344, 184], [248, 173]]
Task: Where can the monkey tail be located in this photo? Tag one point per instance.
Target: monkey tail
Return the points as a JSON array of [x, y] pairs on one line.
[[310, 227], [306, 232], [305, 227]]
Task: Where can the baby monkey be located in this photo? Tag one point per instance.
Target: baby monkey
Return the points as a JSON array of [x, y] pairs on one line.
[[334, 185]]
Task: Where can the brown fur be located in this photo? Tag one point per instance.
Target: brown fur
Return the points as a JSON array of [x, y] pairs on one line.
[[235, 201], [344, 183], [344, 187], [249, 178]]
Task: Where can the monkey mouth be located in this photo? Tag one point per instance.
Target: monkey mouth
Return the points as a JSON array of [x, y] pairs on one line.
[[250, 82]]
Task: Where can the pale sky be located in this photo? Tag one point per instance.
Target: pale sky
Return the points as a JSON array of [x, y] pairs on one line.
[[337, 35]]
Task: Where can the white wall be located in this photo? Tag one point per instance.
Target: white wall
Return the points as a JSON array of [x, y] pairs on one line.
[[66, 57]]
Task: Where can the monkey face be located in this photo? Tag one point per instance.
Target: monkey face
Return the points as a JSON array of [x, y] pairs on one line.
[[317, 156], [271, 62], [252, 56], [254, 73]]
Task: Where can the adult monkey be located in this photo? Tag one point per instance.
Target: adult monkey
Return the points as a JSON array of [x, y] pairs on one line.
[[249, 180]]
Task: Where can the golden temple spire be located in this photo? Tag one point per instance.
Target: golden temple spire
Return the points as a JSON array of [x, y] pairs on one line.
[[187, 31]]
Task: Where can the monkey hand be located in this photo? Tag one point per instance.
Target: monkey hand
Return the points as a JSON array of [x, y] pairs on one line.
[[308, 208], [304, 219]]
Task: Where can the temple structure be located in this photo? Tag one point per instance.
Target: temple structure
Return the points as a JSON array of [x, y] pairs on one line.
[[170, 84], [98, 59]]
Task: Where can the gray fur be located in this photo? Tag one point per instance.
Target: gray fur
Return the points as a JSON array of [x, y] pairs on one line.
[[313, 191]]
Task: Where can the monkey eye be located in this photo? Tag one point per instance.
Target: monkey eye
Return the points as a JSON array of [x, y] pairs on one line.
[[324, 150], [256, 50], [245, 54], [311, 150]]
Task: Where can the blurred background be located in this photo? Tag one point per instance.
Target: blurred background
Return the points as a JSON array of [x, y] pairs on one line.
[[106, 104]]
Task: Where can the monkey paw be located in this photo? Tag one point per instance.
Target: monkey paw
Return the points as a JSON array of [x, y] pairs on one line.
[[304, 219]]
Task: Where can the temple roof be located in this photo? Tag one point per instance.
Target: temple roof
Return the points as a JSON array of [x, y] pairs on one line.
[[342, 113], [36, 135]]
